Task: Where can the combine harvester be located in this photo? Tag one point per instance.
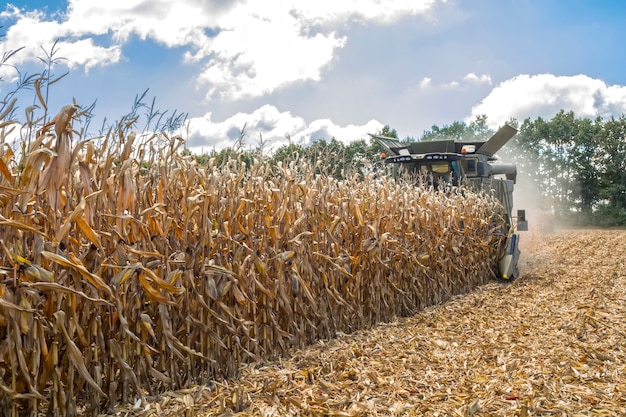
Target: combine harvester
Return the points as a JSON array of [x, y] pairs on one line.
[[475, 165]]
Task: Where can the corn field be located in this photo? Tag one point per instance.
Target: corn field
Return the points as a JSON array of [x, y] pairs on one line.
[[128, 269]]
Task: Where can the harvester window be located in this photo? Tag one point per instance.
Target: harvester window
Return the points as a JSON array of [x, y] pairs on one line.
[[470, 165], [443, 171], [441, 168], [440, 171]]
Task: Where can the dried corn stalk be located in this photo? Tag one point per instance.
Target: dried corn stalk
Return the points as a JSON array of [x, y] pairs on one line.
[[124, 277]]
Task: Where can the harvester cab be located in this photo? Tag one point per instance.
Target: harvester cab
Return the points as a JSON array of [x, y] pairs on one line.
[[475, 165]]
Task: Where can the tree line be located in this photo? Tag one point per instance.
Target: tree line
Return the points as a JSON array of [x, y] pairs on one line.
[[576, 165]]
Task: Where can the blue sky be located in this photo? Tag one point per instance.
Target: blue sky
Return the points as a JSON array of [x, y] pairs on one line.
[[326, 68]]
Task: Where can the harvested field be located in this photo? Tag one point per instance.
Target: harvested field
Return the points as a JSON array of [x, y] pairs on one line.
[[551, 343]]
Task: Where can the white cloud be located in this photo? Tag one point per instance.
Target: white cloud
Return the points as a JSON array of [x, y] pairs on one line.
[[544, 95], [35, 36], [170, 22], [276, 128], [264, 48], [473, 78], [85, 53], [257, 53], [247, 48], [326, 129], [386, 11], [451, 84], [468, 80]]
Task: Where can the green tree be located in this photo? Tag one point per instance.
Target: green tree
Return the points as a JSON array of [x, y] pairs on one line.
[[287, 153], [564, 157], [548, 146], [329, 157], [454, 131], [584, 159], [612, 172], [478, 129], [460, 131], [388, 132]]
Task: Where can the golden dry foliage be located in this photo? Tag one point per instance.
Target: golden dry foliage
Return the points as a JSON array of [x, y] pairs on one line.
[[129, 270], [552, 343]]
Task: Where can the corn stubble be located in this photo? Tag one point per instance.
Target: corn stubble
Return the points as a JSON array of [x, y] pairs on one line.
[[129, 270]]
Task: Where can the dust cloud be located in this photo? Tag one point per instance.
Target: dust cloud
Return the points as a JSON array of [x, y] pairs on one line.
[[528, 196]]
